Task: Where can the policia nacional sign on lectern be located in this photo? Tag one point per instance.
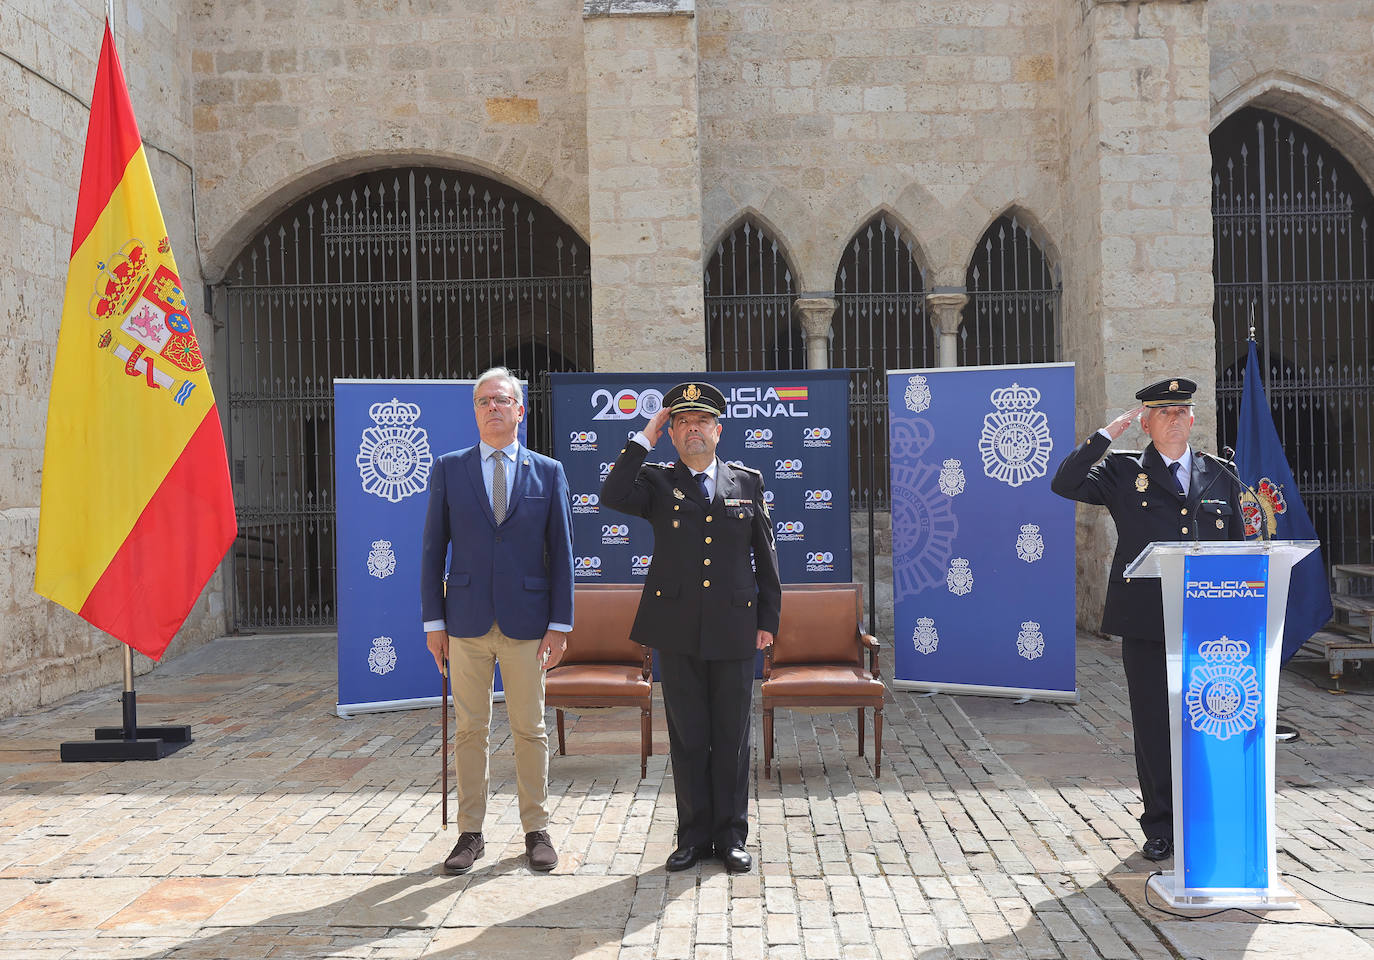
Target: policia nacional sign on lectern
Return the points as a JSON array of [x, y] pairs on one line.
[[1224, 605]]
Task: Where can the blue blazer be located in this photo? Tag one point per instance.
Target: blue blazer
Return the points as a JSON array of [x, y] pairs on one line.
[[519, 575]]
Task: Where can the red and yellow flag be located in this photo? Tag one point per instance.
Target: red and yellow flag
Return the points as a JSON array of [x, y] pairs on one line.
[[137, 508]]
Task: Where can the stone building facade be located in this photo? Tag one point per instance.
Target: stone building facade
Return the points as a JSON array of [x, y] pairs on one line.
[[650, 129]]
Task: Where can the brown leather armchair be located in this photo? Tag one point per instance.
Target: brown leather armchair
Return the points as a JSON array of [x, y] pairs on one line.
[[816, 660], [602, 666]]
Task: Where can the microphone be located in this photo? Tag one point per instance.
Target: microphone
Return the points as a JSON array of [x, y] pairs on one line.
[[1224, 461]]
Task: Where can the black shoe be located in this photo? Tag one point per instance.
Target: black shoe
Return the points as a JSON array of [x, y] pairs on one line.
[[1158, 848], [1283, 733], [684, 857], [469, 848], [735, 858]]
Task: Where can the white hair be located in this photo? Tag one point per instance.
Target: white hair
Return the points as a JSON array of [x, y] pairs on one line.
[[501, 373]]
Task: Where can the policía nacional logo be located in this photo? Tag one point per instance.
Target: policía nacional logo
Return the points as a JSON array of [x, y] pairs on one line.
[[1015, 442], [393, 457], [1030, 546], [381, 659], [952, 478], [1223, 694], [381, 561], [959, 578], [1030, 642], [925, 638], [917, 394]]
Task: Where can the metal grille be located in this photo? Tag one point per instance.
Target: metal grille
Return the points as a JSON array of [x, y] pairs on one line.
[[416, 273], [748, 292], [1012, 314], [1291, 224], [881, 325]]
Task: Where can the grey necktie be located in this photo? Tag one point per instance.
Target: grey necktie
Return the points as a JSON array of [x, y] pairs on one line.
[[498, 485]]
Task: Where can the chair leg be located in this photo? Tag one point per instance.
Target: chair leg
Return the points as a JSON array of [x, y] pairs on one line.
[[645, 736], [767, 742], [878, 741], [562, 747], [861, 731]]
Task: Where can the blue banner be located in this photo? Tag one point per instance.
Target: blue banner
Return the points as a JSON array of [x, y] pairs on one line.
[[1222, 747], [1274, 511], [387, 434], [983, 556], [791, 425]]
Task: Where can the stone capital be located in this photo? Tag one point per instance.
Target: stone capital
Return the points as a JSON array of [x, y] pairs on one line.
[[946, 309], [815, 314]]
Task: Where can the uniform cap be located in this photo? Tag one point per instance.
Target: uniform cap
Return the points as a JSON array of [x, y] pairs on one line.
[[1174, 392], [695, 395]]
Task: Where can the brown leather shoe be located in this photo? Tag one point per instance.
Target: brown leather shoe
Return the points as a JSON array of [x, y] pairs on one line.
[[469, 848], [539, 848]]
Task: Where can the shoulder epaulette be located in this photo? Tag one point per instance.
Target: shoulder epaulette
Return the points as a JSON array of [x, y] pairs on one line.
[[1127, 453], [740, 466]]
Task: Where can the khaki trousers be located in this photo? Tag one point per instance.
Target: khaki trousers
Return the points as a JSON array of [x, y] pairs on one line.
[[471, 660]]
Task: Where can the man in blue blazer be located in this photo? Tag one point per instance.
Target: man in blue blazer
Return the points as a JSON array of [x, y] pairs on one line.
[[507, 599]]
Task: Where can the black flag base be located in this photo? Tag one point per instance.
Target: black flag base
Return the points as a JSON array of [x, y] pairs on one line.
[[129, 742]]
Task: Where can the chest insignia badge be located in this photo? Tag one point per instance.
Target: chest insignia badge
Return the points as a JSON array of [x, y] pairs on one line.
[[1141, 482], [1221, 524], [679, 494]]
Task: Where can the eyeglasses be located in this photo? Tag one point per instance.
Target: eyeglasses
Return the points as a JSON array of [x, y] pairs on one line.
[[482, 403]]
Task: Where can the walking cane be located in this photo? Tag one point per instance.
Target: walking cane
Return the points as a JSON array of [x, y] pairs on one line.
[[443, 748]]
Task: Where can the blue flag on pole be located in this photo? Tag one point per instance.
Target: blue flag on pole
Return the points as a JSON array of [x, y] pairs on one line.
[[1261, 463]]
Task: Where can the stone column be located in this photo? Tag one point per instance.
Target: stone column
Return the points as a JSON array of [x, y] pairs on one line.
[[644, 173], [946, 313], [816, 314], [1137, 279]]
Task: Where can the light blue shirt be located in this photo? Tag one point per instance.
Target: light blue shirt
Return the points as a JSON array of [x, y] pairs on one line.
[[512, 453]]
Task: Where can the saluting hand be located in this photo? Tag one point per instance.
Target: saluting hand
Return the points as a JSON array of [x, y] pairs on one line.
[[654, 428], [1123, 423]]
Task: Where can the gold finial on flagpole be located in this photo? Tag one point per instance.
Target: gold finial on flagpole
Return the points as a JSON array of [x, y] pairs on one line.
[[1252, 319]]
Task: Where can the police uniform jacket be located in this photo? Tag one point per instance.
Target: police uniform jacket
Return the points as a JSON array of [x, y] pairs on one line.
[[1139, 491], [702, 595]]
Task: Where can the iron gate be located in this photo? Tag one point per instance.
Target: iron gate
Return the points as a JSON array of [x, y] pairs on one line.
[[748, 293], [415, 273], [881, 325], [1012, 314], [1292, 257]]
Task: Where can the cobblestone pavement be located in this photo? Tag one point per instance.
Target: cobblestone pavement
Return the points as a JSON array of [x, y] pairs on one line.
[[998, 829]]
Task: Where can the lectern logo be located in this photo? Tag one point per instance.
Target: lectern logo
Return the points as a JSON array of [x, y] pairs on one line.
[[381, 660], [1223, 694]]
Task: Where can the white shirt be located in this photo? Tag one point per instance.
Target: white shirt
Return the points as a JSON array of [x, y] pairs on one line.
[[710, 471]]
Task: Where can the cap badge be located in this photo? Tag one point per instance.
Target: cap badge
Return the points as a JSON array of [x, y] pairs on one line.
[[1141, 482], [692, 393], [1173, 384]]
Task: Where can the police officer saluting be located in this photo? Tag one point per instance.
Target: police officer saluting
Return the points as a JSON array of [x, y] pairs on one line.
[[1166, 492], [706, 608]]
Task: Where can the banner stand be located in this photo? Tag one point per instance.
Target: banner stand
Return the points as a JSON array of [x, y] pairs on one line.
[[1224, 608], [350, 710], [979, 690], [130, 741]]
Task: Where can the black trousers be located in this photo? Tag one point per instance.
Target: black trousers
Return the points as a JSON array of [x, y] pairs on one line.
[[1147, 684], [708, 703]]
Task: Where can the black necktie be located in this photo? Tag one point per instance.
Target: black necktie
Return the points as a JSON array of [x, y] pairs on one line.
[[701, 484], [1173, 469]]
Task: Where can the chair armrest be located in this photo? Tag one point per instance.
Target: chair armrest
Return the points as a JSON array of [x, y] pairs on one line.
[[768, 660], [647, 668], [871, 642]]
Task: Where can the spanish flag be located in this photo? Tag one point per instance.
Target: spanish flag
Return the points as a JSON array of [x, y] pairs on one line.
[[137, 509]]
